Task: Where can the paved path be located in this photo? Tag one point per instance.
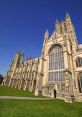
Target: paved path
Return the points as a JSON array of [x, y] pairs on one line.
[[25, 98]]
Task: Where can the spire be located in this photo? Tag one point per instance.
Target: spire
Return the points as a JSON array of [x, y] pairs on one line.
[[57, 21], [46, 35], [68, 17]]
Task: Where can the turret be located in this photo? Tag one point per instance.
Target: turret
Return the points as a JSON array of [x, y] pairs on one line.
[[17, 60], [15, 63], [46, 36]]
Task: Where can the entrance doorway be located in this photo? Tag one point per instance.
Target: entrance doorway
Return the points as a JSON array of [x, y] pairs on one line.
[[55, 93]]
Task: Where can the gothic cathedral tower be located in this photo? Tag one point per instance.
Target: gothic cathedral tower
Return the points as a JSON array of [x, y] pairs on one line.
[[57, 61], [15, 63]]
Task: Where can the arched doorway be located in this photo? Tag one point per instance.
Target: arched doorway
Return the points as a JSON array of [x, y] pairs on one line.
[[55, 93]]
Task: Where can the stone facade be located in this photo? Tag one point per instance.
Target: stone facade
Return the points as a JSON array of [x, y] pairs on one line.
[[58, 72]]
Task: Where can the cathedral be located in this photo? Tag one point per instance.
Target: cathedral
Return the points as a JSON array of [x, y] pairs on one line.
[[57, 73]]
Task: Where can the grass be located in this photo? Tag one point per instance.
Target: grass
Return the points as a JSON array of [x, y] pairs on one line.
[[35, 108], [48, 108], [7, 91]]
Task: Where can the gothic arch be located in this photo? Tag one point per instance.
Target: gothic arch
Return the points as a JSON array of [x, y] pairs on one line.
[[52, 46], [56, 63], [34, 68]]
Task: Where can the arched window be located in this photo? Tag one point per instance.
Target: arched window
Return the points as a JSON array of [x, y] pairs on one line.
[[79, 62], [56, 63], [80, 83]]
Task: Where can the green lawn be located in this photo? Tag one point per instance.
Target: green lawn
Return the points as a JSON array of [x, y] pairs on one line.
[[36, 108], [48, 108], [7, 91]]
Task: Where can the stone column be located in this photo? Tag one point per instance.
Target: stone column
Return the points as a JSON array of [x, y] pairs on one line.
[[39, 79], [9, 83], [20, 84], [25, 88]]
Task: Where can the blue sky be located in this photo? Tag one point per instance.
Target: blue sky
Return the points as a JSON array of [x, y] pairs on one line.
[[24, 22]]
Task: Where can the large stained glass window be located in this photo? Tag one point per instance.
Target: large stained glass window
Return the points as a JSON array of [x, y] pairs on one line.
[[56, 64]]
